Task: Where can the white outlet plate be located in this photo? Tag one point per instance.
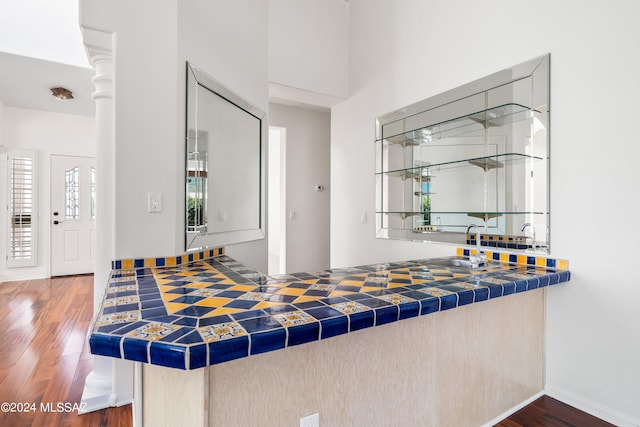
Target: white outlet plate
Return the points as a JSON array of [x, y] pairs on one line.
[[154, 202], [312, 420]]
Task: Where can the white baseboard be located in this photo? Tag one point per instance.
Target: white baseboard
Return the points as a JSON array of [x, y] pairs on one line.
[[513, 410], [591, 407]]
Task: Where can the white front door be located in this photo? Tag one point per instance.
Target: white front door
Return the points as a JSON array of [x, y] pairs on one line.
[[72, 215]]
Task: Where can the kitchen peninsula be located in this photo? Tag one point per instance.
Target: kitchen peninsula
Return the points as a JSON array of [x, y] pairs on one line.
[[221, 344]]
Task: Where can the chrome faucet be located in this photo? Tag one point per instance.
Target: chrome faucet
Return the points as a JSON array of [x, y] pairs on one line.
[[479, 258], [533, 234]]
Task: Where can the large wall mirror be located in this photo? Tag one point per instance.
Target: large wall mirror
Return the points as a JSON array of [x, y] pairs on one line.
[[224, 165], [477, 155]]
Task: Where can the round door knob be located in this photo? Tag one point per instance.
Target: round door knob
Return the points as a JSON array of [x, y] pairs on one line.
[[56, 222], [55, 214]]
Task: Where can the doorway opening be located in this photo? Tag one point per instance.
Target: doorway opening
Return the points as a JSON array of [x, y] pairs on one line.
[[277, 185]]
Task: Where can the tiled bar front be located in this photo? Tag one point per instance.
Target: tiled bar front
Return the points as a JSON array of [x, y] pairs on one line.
[[190, 312]]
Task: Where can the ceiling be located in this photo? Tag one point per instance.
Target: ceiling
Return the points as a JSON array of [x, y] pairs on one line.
[[27, 82], [41, 48]]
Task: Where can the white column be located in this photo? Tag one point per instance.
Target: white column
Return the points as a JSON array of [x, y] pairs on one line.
[[110, 382]]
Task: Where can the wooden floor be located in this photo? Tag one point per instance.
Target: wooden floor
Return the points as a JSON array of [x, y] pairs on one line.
[[549, 412], [44, 357]]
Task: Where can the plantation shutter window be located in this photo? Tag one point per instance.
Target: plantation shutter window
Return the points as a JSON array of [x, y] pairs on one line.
[[22, 213]]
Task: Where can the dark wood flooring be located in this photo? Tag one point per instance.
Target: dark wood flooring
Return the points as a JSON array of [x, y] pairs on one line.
[[44, 356], [549, 412]]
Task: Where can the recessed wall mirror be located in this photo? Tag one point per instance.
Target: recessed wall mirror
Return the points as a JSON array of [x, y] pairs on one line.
[[224, 165], [470, 163]]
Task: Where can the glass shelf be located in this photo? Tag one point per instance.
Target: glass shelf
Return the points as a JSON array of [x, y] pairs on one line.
[[481, 215], [486, 163], [492, 117]]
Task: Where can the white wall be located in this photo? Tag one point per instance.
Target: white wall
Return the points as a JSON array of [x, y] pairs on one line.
[[402, 51], [308, 46], [307, 154], [153, 40], [48, 134]]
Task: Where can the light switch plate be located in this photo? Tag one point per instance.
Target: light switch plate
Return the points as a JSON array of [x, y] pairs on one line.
[[154, 202]]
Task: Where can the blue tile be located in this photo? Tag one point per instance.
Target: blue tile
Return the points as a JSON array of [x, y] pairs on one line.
[[409, 309], [138, 263], [361, 320], [533, 283], [508, 288], [386, 314], [301, 334], [191, 338], [230, 294], [188, 299], [280, 309], [194, 311], [128, 327], [334, 326], [495, 291], [153, 312], [480, 294], [169, 355], [214, 320], [244, 304], [263, 342], [323, 312], [258, 324], [152, 303], [564, 276], [543, 280], [105, 345], [175, 335], [225, 350], [282, 298], [309, 304], [448, 301], [160, 262], [248, 314], [197, 356], [429, 305], [135, 349]]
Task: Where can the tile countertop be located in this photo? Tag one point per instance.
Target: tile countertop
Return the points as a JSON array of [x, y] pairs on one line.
[[215, 310]]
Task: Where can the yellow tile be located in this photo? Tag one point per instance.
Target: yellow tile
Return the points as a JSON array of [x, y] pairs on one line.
[[460, 251], [165, 289], [149, 262], [223, 310], [522, 259], [369, 289], [170, 262], [541, 262], [174, 307], [340, 293], [352, 283], [305, 299], [243, 288], [127, 264], [199, 285], [291, 291], [196, 256], [214, 302], [398, 276], [395, 285], [562, 264], [504, 257], [267, 304]]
